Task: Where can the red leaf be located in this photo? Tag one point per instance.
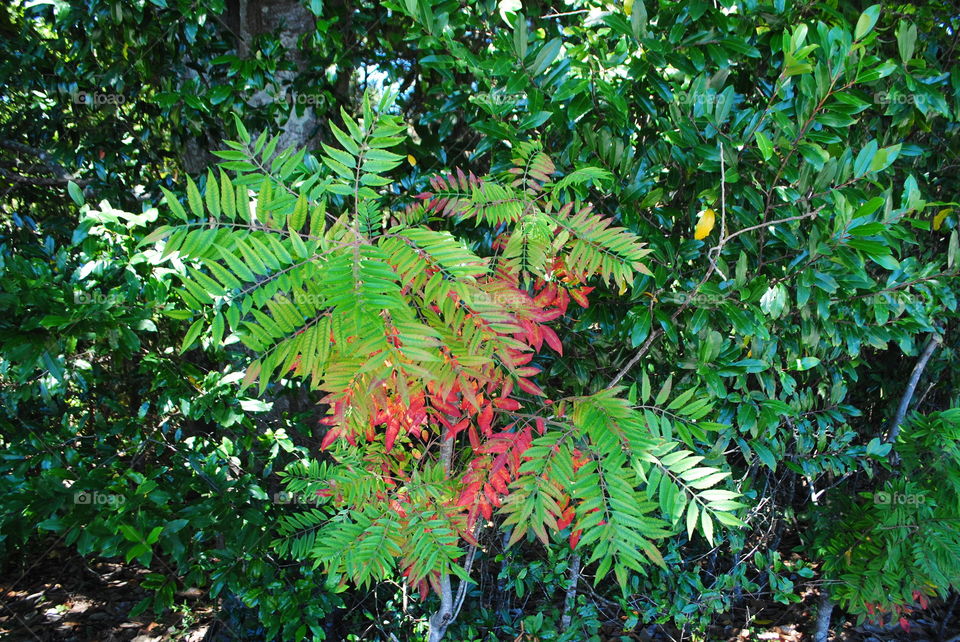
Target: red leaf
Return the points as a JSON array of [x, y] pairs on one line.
[[486, 419], [444, 407], [546, 296], [548, 315], [468, 496], [505, 403], [552, 339], [529, 386], [474, 437], [393, 428], [434, 579], [566, 518], [458, 428], [497, 445], [580, 296], [329, 438], [905, 624], [575, 538], [563, 299], [534, 337], [485, 509], [498, 483]]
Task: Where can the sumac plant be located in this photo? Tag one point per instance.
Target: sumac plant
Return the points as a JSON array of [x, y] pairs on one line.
[[426, 347]]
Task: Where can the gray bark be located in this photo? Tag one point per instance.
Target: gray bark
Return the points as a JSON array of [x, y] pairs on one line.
[[245, 20], [440, 620], [570, 602], [932, 344], [822, 633]]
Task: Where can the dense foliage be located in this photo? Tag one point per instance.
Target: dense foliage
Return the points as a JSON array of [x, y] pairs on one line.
[[618, 315]]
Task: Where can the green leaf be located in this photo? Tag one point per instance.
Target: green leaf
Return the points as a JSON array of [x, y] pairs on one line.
[[906, 40], [764, 144], [130, 533], [866, 22], [53, 366], [878, 449], [213, 195], [299, 216], [706, 523], [175, 207], [645, 389], [709, 480], [664, 391], [692, 515], [154, 535], [241, 130], [191, 335], [193, 198], [75, 192], [765, 455], [864, 159], [884, 157], [545, 57], [804, 363]]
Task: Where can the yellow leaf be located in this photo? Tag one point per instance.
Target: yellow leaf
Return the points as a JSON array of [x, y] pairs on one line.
[[411, 160], [628, 7], [938, 219], [707, 219]]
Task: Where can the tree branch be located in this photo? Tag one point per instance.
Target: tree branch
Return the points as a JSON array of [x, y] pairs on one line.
[[928, 350]]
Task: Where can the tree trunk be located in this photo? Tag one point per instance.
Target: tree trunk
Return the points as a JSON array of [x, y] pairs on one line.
[[822, 634], [440, 620], [570, 602]]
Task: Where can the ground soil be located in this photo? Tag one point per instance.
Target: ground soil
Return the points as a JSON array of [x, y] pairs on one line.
[[63, 596]]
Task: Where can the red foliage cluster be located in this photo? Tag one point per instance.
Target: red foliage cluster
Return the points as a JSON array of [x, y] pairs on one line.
[[901, 611], [449, 193], [486, 411]]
